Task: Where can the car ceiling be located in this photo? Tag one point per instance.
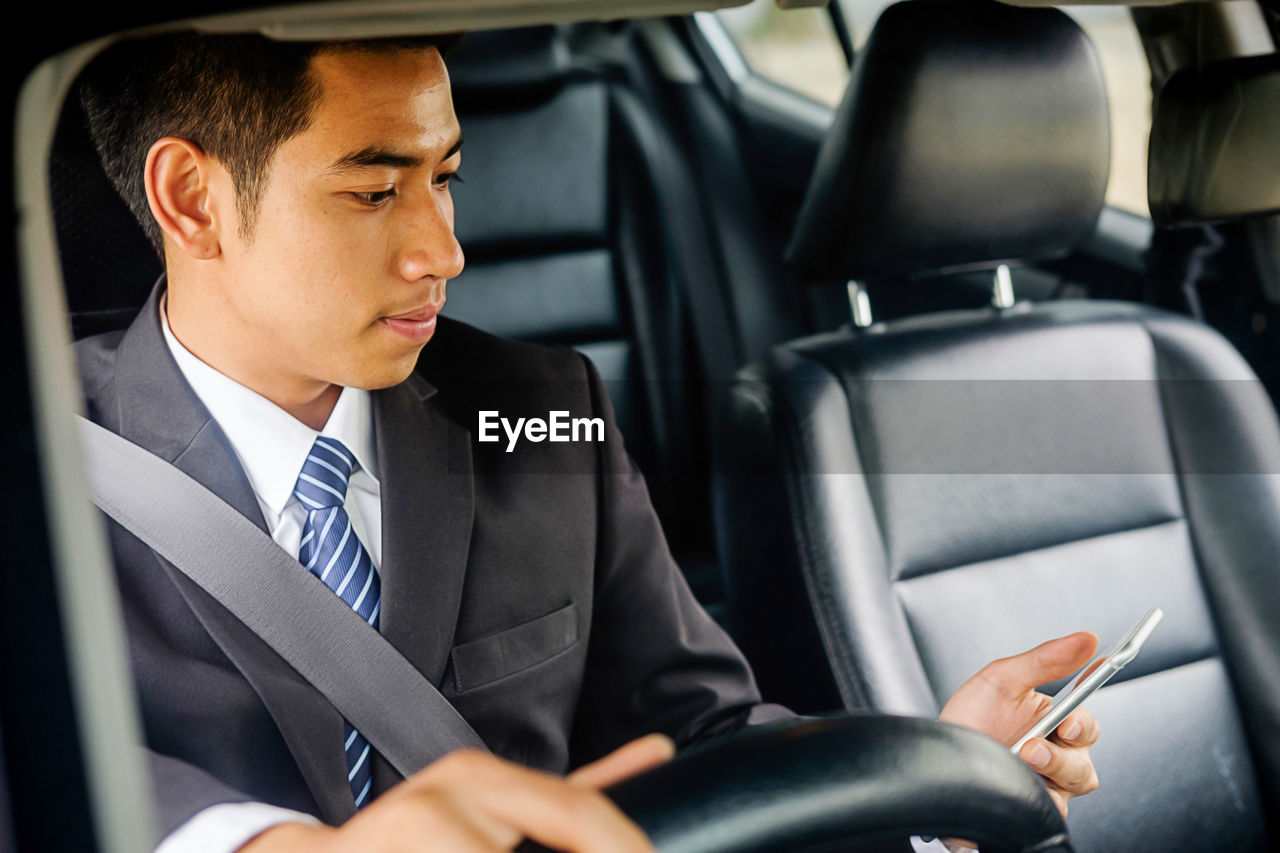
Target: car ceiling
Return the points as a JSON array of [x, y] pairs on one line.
[[375, 18]]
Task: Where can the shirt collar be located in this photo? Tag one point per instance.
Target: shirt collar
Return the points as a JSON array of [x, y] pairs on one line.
[[270, 443]]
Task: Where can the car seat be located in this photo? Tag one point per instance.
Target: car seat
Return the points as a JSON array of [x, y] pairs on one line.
[[583, 224], [900, 504]]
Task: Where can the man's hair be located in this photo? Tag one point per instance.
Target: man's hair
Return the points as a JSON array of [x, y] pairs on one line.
[[237, 97]]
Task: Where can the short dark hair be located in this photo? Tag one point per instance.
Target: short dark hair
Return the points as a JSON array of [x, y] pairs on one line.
[[238, 97]]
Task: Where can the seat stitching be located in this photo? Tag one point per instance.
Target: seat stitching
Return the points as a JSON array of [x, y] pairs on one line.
[[935, 570]]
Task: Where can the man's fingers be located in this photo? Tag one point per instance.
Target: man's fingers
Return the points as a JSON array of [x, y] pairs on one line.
[[1048, 661], [1060, 799], [1068, 768], [625, 762], [1079, 729], [450, 829], [544, 808], [415, 817], [566, 817]]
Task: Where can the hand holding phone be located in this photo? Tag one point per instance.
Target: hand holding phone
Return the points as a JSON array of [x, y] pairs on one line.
[[1094, 674]]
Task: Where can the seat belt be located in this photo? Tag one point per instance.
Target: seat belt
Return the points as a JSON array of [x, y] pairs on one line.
[[366, 678], [688, 239]]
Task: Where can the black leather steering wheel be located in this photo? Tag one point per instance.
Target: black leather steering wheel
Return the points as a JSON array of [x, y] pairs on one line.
[[833, 784]]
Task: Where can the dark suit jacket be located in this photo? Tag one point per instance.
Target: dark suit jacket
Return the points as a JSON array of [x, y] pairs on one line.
[[534, 588]]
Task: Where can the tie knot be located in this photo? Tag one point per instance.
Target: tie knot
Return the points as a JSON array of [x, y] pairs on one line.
[[323, 481]]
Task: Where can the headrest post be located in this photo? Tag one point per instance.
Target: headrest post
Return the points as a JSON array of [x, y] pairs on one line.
[[1002, 292], [859, 304]]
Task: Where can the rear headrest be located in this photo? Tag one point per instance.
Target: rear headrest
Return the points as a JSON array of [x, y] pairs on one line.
[[1214, 137], [108, 266], [526, 62], [971, 134]]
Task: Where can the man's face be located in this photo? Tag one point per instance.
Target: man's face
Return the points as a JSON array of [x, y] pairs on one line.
[[353, 243]]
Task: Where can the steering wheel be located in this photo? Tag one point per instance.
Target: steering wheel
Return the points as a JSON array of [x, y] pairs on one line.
[[834, 784]]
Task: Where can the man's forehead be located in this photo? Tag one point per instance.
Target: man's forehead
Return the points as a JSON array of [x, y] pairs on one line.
[[397, 98], [352, 66]]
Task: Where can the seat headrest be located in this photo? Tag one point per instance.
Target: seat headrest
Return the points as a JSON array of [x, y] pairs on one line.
[[971, 134], [492, 64], [108, 266], [1213, 152]]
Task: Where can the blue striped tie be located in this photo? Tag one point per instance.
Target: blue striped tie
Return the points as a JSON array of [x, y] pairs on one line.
[[331, 552]]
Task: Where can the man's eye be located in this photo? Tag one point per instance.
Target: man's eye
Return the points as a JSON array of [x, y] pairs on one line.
[[376, 198], [444, 178]]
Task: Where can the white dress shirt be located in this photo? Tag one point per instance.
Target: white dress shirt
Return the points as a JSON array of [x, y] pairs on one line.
[[271, 446]]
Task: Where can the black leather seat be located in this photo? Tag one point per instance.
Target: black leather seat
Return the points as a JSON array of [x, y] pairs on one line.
[[901, 504], [537, 215]]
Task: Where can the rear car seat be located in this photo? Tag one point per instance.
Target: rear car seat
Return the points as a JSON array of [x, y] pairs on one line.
[[572, 177], [559, 235], [902, 504]]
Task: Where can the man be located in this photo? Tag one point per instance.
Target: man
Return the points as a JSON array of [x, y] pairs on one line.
[[299, 196]]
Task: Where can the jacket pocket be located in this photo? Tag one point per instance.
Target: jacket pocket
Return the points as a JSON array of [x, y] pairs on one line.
[[507, 652]]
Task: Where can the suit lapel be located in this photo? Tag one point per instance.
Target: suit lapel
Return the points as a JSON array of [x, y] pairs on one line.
[[424, 460], [159, 411], [424, 467]]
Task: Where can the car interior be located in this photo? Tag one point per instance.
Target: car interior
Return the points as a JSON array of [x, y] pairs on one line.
[[907, 393]]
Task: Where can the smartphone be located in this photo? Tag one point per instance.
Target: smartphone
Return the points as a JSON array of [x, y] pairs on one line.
[[1094, 674]]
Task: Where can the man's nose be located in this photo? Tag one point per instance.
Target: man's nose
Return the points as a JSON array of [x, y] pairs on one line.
[[429, 248]]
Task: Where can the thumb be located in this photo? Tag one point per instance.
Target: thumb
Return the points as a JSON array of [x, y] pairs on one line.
[[624, 762], [1048, 661]]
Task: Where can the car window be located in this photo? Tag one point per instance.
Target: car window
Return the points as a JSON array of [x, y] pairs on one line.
[[1128, 80], [796, 48], [861, 16], [799, 49]]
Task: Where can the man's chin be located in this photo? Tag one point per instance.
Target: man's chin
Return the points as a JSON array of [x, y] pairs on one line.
[[384, 374]]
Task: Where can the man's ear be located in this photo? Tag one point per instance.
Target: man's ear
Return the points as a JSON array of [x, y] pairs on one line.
[[182, 190]]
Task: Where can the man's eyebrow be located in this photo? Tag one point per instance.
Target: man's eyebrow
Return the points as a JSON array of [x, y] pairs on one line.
[[453, 149], [372, 155]]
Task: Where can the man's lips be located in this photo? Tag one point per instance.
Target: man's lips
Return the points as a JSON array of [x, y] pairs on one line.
[[416, 325]]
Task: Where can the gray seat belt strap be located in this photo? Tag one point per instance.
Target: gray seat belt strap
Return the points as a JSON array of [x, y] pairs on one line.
[[374, 686]]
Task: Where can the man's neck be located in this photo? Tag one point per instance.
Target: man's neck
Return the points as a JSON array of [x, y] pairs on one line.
[[308, 401]]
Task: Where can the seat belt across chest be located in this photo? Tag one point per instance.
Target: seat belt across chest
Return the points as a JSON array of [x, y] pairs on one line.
[[366, 678]]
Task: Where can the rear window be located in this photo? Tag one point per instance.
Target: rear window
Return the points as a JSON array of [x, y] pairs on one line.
[[799, 49], [1128, 79], [795, 48]]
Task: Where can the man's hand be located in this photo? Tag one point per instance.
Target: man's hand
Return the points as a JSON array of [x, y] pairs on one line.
[[1001, 701], [472, 802]]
